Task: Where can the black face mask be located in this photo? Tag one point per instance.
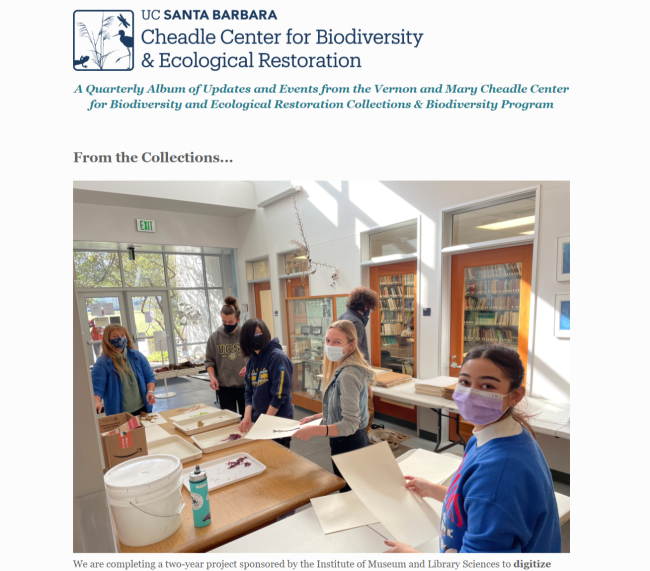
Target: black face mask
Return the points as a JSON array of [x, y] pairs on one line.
[[230, 328], [258, 341], [365, 317]]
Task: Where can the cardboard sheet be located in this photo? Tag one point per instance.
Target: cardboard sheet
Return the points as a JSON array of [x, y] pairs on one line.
[[265, 425], [376, 478], [339, 512]]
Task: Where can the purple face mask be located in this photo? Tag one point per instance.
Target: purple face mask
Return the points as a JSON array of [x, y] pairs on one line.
[[478, 407]]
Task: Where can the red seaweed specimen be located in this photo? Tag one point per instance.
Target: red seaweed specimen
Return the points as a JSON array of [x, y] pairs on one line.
[[232, 438], [237, 462]]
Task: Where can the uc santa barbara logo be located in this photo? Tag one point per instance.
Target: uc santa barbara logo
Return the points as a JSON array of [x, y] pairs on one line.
[[103, 40]]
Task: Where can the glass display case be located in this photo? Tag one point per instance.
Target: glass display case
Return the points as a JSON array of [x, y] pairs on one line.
[[308, 320], [491, 305]]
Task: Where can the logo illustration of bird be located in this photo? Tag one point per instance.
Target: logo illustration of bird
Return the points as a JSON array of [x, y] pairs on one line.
[[123, 21], [128, 43]]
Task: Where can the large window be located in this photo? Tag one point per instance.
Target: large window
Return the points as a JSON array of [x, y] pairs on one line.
[[193, 284]]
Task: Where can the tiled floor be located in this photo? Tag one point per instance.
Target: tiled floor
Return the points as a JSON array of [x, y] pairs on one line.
[[195, 391]]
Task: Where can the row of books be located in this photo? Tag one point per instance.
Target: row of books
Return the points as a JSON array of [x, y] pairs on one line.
[[391, 290], [390, 340], [409, 303], [502, 302], [511, 285], [390, 280], [391, 303], [409, 291], [391, 328], [388, 316], [498, 271], [490, 335], [493, 318], [409, 279]]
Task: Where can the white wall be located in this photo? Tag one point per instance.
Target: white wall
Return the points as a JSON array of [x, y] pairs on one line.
[[100, 223], [336, 212]]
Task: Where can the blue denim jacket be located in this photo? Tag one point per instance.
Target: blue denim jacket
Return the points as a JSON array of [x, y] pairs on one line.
[[345, 402], [108, 385]]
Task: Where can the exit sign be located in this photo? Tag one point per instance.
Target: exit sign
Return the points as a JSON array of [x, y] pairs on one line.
[[145, 225]]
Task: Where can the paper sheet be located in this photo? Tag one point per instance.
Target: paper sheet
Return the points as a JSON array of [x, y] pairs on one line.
[[428, 465], [108, 309], [154, 433], [160, 340], [95, 309], [265, 425], [339, 512], [157, 420], [375, 476], [202, 410]]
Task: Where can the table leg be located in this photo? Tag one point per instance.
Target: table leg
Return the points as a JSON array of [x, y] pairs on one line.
[[438, 411], [167, 394]]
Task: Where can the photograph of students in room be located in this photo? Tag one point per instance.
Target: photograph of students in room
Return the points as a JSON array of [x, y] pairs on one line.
[[501, 499], [347, 376], [267, 377], [224, 360]]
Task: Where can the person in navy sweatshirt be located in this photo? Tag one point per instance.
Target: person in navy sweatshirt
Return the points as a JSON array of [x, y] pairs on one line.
[[501, 498], [268, 376]]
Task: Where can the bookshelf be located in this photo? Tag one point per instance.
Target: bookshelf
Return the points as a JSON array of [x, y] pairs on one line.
[[491, 305], [396, 286]]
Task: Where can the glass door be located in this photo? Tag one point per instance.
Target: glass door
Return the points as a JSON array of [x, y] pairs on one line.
[[151, 327], [98, 310]]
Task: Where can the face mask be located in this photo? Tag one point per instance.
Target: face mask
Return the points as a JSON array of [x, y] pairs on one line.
[[119, 343], [365, 317], [258, 341], [478, 407], [334, 353], [230, 328]]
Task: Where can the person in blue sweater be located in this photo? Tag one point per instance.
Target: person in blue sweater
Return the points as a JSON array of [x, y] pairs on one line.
[[501, 498], [268, 376], [122, 376]]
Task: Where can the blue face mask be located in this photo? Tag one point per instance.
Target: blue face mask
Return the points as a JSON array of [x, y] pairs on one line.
[[119, 343], [230, 328]]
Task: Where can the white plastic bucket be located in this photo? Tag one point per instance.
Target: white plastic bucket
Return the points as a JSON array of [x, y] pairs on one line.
[[145, 497]]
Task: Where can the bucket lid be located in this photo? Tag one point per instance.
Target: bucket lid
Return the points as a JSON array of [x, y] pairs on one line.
[[145, 471]]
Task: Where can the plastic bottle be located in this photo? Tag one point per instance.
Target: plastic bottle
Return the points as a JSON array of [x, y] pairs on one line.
[[200, 500]]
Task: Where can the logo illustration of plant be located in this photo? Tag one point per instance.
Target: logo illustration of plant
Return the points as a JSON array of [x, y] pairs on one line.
[[97, 40]]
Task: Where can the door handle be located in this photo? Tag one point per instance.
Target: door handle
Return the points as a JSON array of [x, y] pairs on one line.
[[454, 365]]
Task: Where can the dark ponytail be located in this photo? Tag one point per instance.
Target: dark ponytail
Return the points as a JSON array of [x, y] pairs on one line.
[[231, 307], [509, 362]]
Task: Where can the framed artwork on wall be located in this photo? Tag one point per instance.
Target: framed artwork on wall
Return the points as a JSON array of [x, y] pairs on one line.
[[563, 315], [563, 259]]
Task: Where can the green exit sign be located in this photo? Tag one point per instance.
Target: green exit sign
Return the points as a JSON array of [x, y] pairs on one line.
[[145, 225]]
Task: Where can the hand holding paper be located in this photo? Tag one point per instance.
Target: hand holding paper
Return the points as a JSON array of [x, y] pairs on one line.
[[270, 427]]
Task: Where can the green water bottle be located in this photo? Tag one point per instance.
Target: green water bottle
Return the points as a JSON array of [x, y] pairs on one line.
[[200, 500]]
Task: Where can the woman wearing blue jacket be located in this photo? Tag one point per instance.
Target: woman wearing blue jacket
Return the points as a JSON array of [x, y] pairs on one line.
[[268, 376], [122, 376]]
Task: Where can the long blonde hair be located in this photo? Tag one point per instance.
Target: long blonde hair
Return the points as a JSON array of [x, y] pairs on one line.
[[110, 351], [354, 357]]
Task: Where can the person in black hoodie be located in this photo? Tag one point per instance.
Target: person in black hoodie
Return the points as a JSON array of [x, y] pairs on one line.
[[268, 376]]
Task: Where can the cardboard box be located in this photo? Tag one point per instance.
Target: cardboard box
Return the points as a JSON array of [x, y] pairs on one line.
[[119, 448]]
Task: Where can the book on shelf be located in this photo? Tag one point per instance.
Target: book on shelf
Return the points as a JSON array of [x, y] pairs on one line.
[[510, 318], [492, 302], [391, 291], [391, 303], [390, 280], [512, 269], [389, 340], [490, 335], [391, 328]]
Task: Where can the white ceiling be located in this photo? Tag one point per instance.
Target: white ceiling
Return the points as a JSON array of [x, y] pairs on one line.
[[85, 196]]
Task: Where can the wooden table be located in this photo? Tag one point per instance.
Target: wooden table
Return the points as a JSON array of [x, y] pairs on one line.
[[288, 482]]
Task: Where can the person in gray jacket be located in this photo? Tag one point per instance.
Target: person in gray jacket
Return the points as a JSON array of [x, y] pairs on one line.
[[224, 360], [346, 375]]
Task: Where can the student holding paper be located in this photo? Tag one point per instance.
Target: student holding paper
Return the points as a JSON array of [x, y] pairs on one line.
[[501, 499], [268, 376], [346, 376]]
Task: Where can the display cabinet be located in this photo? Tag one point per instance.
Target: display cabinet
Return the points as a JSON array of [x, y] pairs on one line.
[[308, 319]]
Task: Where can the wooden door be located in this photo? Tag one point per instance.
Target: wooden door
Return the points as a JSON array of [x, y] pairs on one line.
[[390, 349], [490, 303], [263, 304]]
